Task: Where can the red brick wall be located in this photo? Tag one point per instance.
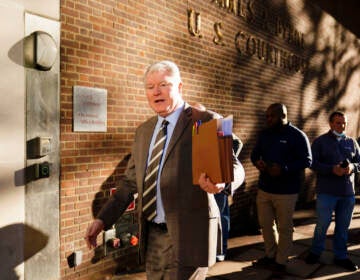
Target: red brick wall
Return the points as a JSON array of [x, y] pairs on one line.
[[108, 43]]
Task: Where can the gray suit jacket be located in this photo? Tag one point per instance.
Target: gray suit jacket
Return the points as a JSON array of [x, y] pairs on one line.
[[186, 205]]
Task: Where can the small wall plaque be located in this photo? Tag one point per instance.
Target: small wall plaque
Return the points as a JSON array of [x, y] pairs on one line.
[[90, 109]]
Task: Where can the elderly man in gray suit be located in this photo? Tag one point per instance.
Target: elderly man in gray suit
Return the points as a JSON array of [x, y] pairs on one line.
[[174, 234]]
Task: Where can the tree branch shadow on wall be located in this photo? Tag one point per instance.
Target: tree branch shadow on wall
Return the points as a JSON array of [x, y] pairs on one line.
[[127, 260], [102, 196], [12, 253], [333, 62]]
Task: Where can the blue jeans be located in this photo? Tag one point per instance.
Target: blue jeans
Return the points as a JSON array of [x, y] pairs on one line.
[[223, 204], [343, 207]]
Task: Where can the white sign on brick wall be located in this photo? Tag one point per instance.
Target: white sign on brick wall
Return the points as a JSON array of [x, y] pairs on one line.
[[90, 109]]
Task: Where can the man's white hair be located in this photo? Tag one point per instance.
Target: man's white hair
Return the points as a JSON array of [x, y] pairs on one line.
[[165, 65]]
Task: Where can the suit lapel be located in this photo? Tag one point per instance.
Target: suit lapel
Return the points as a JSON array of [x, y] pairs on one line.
[[144, 144], [181, 125]]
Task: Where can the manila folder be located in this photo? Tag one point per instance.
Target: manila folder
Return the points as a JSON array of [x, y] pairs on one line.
[[212, 154]]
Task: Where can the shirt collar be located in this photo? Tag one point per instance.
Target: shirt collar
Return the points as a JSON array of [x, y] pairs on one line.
[[173, 117]]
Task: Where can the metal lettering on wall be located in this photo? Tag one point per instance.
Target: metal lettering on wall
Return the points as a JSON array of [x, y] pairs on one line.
[[249, 45], [194, 23], [219, 37]]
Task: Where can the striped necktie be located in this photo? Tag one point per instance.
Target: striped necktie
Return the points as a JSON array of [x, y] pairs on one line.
[[152, 170]]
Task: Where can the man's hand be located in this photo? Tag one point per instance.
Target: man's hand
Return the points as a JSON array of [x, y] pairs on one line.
[[92, 232], [338, 170], [341, 171], [260, 164], [208, 186], [349, 169], [274, 170]]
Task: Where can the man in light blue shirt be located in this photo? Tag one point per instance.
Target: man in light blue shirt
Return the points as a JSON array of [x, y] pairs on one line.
[[175, 244]]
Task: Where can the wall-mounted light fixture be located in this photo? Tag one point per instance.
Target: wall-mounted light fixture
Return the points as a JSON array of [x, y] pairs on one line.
[[40, 51]]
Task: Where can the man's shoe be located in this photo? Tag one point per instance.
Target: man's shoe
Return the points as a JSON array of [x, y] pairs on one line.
[[312, 258], [265, 261], [220, 258], [278, 269], [346, 263]]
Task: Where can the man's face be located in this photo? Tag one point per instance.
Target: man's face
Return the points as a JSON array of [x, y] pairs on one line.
[[338, 124], [273, 118], [163, 92]]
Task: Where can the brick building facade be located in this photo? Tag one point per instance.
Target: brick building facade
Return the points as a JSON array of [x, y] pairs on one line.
[[236, 57]]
